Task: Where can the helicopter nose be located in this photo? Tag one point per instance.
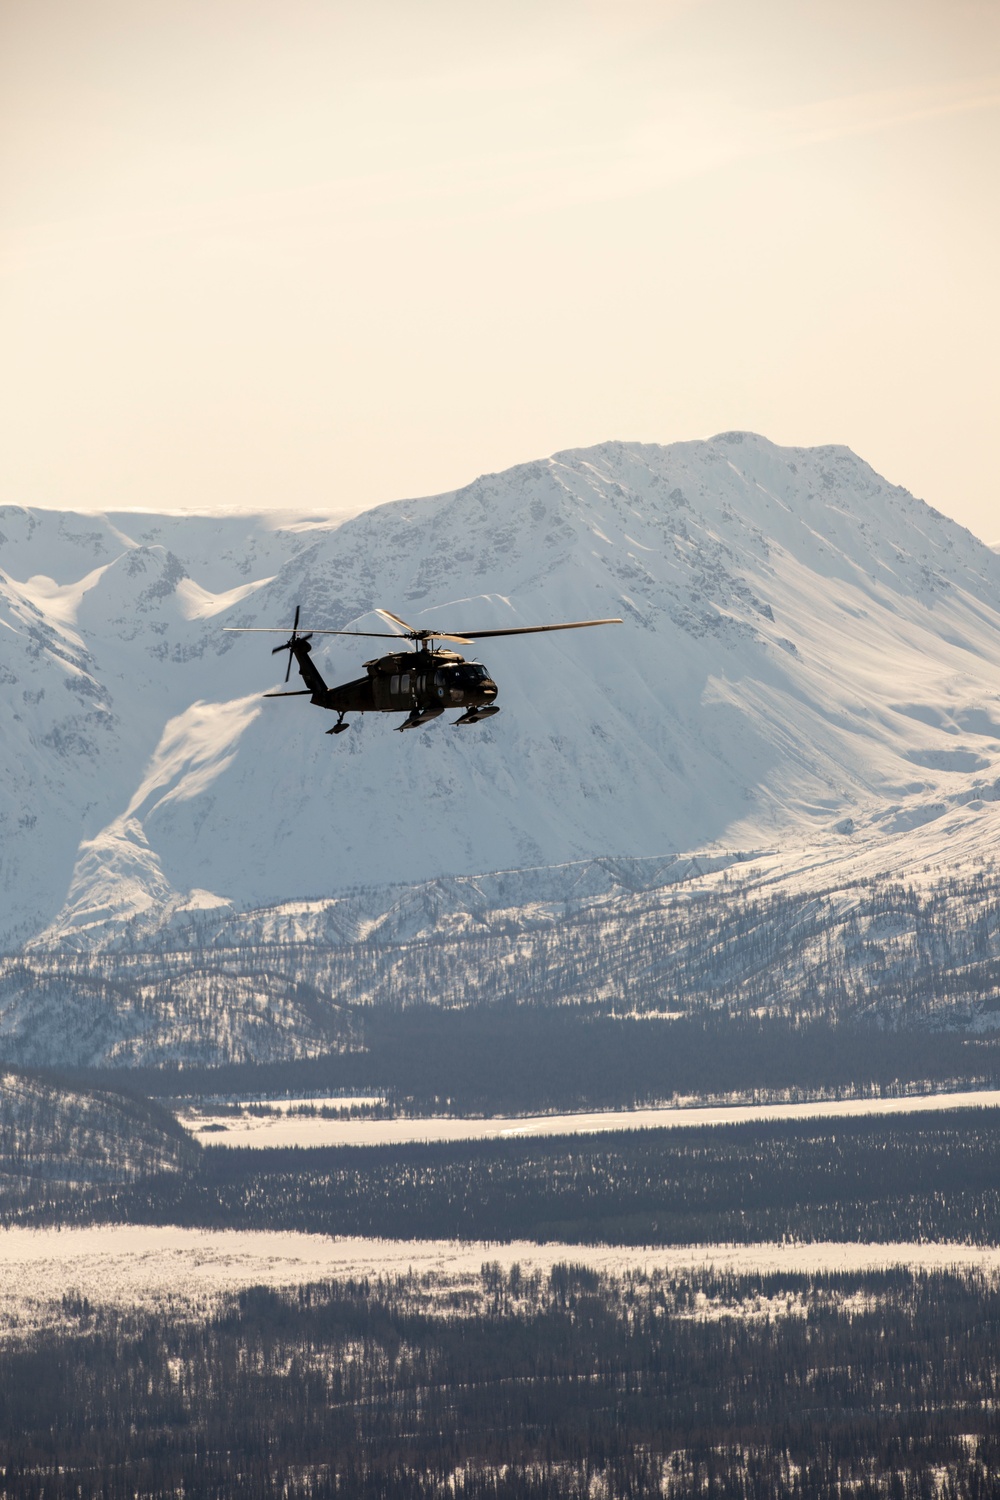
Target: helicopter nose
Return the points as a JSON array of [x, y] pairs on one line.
[[489, 689]]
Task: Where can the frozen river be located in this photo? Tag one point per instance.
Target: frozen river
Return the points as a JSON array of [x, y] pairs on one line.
[[284, 1129]]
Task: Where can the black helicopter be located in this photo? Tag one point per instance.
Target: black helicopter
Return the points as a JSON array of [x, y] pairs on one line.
[[421, 683]]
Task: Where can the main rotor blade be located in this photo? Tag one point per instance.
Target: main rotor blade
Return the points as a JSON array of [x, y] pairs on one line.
[[424, 634], [381, 635], [294, 693], [441, 635], [481, 635], [465, 637], [387, 614], [378, 635], [411, 633]]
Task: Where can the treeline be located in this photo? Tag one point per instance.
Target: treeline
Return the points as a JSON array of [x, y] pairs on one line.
[[526, 1388], [930, 1177], [515, 1059]]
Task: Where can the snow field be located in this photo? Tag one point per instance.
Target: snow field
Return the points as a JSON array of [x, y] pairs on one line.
[[278, 1130], [184, 1272]]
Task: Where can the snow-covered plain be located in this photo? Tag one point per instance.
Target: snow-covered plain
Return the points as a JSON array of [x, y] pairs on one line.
[[185, 1271], [810, 657], [282, 1129]]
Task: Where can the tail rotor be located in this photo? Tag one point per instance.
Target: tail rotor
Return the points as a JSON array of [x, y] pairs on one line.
[[293, 639]]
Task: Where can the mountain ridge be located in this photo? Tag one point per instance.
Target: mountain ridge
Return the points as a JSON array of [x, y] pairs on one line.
[[806, 646]]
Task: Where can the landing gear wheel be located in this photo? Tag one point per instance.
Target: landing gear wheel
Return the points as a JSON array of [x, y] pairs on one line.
[[339, 727]]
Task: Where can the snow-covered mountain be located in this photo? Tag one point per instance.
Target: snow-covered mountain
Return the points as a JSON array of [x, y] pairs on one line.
[[809, 655]]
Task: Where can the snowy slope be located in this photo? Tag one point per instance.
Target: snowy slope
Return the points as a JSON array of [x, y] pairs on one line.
[[804, 644], [67, 1135]]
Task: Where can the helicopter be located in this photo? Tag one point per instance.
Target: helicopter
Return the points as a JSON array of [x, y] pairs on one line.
[[422, 683]]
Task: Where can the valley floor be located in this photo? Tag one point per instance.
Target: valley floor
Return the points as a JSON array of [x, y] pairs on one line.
[[165, 1363], [323, 1122], [774, 1303], [184, 1272]]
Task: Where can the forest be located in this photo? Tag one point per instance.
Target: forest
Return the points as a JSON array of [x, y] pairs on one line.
[[506, 1058], [572, 1385], [567, 1386], [928, 1177]]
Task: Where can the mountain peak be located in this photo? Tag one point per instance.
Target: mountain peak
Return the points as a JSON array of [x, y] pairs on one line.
[[805, 646]]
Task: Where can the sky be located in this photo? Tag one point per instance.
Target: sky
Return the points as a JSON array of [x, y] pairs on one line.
[[319, 255]]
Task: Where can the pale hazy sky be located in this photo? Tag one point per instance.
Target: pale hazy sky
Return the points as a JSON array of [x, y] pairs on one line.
[[317, 254]]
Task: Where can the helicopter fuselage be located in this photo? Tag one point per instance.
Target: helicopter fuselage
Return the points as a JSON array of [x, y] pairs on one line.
[[411, 682]]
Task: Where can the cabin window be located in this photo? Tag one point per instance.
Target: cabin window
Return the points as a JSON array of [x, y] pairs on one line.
[[404, 683], [394, 685]]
